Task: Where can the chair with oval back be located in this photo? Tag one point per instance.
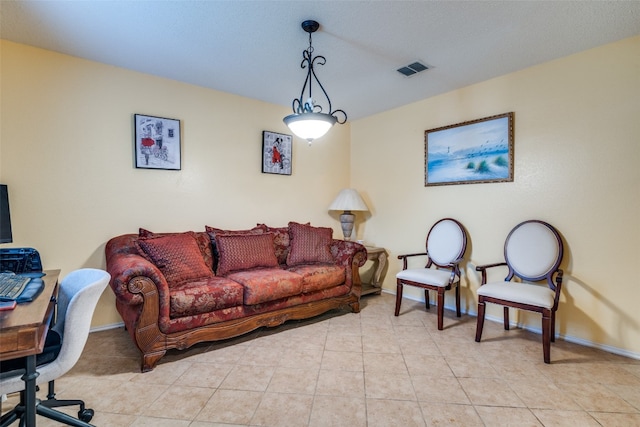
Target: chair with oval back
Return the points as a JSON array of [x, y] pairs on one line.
[[533, 252], [446, 245]]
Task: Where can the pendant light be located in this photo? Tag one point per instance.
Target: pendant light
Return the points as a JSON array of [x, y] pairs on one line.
[[308, 120]]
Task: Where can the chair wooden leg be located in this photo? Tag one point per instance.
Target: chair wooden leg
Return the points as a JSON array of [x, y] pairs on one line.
[[427, 303], [440, 309], [458, 312], [553, 326], [546, 336], [398, 297], [506, 318], [480, 321]]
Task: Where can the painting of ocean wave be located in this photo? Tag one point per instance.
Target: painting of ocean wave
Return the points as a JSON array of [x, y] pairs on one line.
[[471, 152]]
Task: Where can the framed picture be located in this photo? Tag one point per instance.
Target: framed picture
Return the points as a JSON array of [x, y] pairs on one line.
[[276, 153], [473, 152], [157, 142]]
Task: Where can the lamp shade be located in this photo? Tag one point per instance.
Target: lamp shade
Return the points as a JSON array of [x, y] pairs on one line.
[[348, 200], [310, 126]]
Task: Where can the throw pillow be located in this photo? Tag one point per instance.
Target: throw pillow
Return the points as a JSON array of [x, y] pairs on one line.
[[244, 251], [203, 243], [213, 232], [177, 256], [309, 244]]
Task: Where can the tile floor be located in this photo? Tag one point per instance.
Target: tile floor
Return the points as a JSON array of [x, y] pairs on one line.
[[367, 369]]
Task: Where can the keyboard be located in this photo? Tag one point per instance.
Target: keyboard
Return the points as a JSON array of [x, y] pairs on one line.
[[12, 285]]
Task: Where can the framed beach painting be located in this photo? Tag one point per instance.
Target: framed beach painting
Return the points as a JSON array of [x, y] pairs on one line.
[[473, 152], [157, 142]]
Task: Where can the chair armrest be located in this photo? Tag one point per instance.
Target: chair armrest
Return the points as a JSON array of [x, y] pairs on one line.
[[410, 255], [483, 270], [405, 257]]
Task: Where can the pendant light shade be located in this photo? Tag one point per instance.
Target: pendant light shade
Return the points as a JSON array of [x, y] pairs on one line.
[[308, 121], [310, 126]]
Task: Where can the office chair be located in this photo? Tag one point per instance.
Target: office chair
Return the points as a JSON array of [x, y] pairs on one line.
[[77, 298], [532, 252], [446, 245]]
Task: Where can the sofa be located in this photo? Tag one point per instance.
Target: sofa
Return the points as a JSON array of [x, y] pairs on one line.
[[174, 290]]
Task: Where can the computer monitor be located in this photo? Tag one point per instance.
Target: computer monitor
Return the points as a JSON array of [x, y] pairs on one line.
[[5, 216]]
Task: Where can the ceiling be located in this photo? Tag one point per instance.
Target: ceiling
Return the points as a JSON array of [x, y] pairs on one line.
[[254, 48]]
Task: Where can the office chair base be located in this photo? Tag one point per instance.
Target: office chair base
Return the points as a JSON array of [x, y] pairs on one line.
[[42, 408]]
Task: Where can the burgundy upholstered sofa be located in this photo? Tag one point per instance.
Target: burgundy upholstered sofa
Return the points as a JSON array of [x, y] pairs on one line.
[[174, 290]]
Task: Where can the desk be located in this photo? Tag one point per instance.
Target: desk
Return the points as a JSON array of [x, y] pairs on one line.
[[23, 331], [378, 255]]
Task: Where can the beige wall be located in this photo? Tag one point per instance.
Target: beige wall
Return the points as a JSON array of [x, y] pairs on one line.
[[66, 154], [577, 166]]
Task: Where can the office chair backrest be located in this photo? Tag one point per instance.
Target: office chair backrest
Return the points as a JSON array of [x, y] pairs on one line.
[[77, 298], [533, 251], [446, 241]]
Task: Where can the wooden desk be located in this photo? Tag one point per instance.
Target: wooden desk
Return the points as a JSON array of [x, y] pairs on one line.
[[23, 331]]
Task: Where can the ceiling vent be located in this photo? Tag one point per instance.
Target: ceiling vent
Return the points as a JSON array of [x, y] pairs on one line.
[[411, 69]]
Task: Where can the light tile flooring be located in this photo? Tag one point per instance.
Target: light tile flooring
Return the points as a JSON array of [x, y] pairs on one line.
[[367, 369]]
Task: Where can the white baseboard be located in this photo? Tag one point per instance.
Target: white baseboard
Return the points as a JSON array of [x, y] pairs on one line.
[[568, 338], [107, 327]]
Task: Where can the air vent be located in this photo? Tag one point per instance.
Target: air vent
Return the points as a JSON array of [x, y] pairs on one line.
[[412, 69]]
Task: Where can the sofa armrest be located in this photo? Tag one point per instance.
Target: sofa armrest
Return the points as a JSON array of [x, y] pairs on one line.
[[125, 266], [348, 253]]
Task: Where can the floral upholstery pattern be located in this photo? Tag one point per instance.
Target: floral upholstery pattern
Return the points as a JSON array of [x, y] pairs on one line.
[[205, 302], [319, 276], [203, 296], [176, 255], [267, 284], [245, 251], [309, 244], [280, 241]]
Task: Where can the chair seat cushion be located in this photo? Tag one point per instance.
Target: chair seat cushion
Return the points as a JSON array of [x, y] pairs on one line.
[[523, 293], [427, 276]]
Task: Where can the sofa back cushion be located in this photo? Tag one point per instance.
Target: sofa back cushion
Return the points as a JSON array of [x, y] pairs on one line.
[[245, 251], [309, 244], [178, 256]]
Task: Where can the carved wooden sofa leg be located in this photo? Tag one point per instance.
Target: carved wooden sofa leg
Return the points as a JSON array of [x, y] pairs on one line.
[[150, 360], [355, 306]]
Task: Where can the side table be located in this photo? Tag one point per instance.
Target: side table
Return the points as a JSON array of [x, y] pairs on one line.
[[379, 256]]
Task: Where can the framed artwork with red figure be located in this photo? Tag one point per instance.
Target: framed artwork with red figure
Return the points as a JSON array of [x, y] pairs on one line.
[[157, 142], [276, 153]]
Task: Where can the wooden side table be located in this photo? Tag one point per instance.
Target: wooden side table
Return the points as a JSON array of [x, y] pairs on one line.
[[379, 256]]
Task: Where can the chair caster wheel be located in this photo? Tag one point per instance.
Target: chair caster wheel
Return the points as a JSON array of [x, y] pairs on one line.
[[86, 415]]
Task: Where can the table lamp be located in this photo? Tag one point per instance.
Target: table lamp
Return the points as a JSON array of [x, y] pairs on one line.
[[348, 200]]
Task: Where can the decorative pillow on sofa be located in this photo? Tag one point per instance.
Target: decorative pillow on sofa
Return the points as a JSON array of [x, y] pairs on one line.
[[309, 244], [178, 256], [202, 238], [280, 241], [245, 251], [213, 232]]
